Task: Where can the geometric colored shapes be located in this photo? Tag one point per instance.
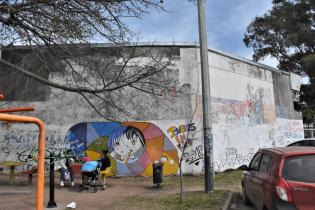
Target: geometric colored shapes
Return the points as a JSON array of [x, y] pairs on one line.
[[144, 160], [170, 166], [168, 145], [155, 155], [99, 144], [138, 154], [152, 132], [77, 145], [105, 128], [173, 155], [94, 136], [70, 137], [93, 155], [91, 134], [140, 125], [74, 141], [80, 131], [155, 143], [148, 171], [122, 169], [135, 168], [113, 165]]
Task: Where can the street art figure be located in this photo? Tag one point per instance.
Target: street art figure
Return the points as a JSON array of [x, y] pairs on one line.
[[126, 144], [133, 146]]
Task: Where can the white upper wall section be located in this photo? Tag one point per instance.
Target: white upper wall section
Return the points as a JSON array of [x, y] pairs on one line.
[[235, 80], [230, 78]]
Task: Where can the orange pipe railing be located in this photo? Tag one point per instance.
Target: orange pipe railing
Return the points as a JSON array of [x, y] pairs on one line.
[[41, 152], [19, 109]]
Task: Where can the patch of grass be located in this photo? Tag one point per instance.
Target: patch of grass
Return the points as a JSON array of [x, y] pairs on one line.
[[188, 181], [228, 180], [192, 200]]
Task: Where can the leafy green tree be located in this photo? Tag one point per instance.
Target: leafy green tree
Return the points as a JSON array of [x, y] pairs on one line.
[[308, 116], [287, 33]]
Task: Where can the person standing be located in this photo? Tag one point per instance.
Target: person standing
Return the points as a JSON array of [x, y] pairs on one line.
[[64, 166], [105, 169]]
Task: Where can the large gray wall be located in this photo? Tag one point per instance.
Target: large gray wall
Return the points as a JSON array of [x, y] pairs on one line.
[[252, 107]]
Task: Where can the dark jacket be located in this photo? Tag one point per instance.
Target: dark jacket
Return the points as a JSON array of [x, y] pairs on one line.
[[105, 163]]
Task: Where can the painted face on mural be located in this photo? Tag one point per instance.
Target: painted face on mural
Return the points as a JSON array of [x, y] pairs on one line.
[[127, 144]]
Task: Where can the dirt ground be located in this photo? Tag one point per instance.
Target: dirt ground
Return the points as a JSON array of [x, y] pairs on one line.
[[22, 197]]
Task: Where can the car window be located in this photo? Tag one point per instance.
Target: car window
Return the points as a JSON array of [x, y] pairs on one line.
[[296, 143], [300, 143], [310, 143], [265, 163], [254, 165], [300, 168]]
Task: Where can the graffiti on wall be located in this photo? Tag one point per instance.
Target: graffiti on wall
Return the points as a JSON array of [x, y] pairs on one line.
[[18, 139], [133, 146], [243, 143], [180, 134], [242, 127], [288, 131], [194, 156], [248, 113], [31, 136], [232, 158]]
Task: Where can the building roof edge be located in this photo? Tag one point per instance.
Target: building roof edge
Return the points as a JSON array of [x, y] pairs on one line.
[[177, 44]]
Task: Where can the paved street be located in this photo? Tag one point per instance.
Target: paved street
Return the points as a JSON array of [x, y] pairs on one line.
[[237, 203]]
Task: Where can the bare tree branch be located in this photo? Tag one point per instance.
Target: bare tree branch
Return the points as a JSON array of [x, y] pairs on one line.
[[59, 55]]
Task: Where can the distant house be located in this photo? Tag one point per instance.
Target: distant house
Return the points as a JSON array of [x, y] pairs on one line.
[[309, 130]]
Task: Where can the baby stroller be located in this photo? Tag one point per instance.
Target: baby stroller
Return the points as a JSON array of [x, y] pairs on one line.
[[90, 176]]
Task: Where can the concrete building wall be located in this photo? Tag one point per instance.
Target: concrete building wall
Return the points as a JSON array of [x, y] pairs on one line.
[[245, 112], [283, 102], [251, 108]]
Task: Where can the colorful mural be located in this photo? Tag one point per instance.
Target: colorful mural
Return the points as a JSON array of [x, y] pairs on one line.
[[133, 146]]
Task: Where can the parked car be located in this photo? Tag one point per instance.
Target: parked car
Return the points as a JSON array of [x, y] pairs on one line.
[[304, 142], [280, 178]]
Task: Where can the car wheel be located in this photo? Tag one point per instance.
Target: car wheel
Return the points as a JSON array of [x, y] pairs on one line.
[[246, 200]]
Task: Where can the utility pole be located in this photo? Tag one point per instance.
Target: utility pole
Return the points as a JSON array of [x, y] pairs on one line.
[[206, 100]]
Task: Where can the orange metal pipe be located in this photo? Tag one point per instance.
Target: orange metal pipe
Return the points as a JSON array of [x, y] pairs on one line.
[[41, 152], [19, 109]]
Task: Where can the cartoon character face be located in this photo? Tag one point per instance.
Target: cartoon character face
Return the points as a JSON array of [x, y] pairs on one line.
[[127, 144]]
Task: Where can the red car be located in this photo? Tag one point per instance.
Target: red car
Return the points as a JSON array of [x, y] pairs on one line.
[[280, 179]]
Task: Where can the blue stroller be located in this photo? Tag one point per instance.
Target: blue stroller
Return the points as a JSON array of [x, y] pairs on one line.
[[90, 176]]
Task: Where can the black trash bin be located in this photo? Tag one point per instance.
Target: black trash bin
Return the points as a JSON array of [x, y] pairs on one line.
[[157, 173]]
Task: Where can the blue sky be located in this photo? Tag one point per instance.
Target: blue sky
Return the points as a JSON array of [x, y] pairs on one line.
[[226, 24]]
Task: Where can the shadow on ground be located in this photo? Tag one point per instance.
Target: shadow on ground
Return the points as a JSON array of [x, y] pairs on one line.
[[238, 204]]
